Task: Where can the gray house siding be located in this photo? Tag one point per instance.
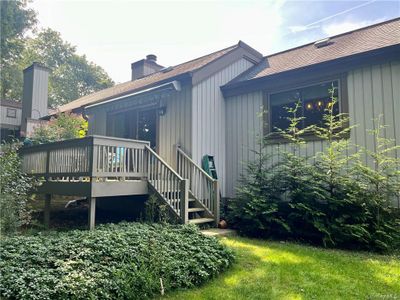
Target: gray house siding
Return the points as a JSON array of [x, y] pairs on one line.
[[175, 127], [208, 111], [372, 91]]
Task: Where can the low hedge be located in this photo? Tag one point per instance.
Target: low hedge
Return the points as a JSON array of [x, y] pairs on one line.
[[124, 261]]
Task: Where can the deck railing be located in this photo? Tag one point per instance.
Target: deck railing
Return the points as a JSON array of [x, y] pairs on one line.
[[168, 184], [93, 156], [201, 185]]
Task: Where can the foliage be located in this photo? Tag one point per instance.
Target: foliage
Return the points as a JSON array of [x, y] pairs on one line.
[[283, 270], [65, 126], [124, 261], [14, 189], [72, 76], [155, 211], [15, 20], [333, 198]]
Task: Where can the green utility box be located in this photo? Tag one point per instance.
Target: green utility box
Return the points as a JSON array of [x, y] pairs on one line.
[[208, 165]]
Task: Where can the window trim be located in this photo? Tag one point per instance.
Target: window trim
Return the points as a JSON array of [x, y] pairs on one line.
[[342, 101], [14, 110]]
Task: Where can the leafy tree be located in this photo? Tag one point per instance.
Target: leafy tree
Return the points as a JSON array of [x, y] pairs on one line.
[[72, 76], [332, 198], [65, 126], [15, 20], [378, 186]]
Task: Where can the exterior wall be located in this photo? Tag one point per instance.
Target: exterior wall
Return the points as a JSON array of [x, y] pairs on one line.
[[209, 117], [372, 90], [175, 127], [8, 122]]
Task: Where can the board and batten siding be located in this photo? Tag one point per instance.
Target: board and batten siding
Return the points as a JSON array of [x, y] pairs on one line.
[[372, 91], [6, 120], [208, 111], [175, 127]]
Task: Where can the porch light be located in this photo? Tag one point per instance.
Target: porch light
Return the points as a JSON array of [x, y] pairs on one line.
[[309, 106]]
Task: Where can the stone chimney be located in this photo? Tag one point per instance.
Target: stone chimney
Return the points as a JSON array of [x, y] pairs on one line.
[[35, 93], [145, 67]]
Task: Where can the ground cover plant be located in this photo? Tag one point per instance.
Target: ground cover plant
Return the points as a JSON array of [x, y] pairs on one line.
[[333, 198], [124, 261], [276, 270]]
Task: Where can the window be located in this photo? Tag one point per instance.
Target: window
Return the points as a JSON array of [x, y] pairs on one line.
[[313, 100], [11, 112]]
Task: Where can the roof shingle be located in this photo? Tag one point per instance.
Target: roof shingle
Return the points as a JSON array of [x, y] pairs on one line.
[[354, 42], [139, 84]]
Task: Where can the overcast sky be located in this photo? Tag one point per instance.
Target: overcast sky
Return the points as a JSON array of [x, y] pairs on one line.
[[113, 34]]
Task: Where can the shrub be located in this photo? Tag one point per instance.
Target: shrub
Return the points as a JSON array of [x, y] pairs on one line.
[[124, 261], [65, 126], [14, 189], [332, 198]]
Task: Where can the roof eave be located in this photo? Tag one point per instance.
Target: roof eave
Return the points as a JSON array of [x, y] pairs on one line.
[[338, 65]]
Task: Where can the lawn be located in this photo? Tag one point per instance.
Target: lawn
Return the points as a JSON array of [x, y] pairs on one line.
[[273, 270]]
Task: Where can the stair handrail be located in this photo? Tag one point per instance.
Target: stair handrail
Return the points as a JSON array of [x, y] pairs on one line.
[[204, 187], [168, 184]]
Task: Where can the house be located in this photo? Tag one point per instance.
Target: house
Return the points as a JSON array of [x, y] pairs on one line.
[[10, 118], [211, 106], [19, 119]]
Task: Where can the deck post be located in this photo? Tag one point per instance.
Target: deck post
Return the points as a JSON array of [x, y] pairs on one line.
[[184, 200], [216, 202], [92, 212], [47, 208]]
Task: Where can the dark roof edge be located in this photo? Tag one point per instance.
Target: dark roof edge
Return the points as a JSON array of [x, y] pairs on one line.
[[11, 103], [334, 36], [183, 78], [340, 64]]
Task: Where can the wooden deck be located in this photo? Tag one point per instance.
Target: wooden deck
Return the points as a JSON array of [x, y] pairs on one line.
[[98, 166]]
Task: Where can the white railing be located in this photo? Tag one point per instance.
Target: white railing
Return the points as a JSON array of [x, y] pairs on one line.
[[168, 184], [92, 156], [203, 187]]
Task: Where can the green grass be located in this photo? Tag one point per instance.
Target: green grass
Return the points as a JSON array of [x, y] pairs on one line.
[[273, 270]]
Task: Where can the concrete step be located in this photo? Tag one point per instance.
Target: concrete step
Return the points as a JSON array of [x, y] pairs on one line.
[[195, 209], [201, 221]]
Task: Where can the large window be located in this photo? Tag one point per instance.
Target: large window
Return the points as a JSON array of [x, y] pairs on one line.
[[313, 100]]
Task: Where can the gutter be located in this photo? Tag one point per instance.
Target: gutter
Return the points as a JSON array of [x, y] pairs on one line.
[[169, 86]]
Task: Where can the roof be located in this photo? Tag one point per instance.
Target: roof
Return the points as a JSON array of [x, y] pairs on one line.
[[358, 41], [147, 81], [11, 103]]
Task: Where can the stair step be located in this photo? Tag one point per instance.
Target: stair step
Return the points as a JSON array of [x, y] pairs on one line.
[[201, 220], [195, 209]]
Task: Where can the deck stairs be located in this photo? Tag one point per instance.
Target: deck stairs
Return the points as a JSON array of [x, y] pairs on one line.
[[190, 193]]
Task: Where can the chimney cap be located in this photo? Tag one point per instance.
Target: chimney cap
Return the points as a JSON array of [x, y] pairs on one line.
[[36, 64], [151, 57]]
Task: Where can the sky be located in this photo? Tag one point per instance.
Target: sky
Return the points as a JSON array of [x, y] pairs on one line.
[[113, 34]]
